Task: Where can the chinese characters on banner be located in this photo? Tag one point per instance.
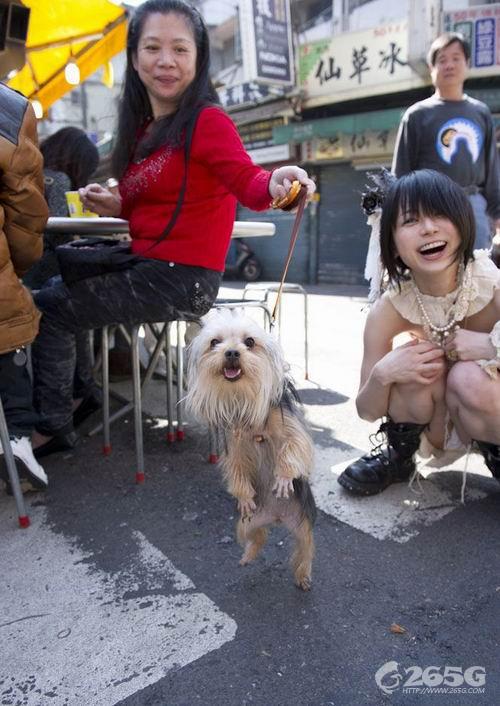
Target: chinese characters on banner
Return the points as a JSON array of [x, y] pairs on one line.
[[481, 27], [250, 93], [358, 62], [266, 41], [343, 146]]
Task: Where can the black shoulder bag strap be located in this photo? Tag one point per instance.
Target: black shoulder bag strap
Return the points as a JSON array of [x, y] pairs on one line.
[[187, 151]]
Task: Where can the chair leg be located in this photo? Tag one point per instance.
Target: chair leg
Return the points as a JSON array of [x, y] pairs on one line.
[[180, 382], [170, 386], [24, 520], [213, 437], [136, 377], [106, 447], [306, 334]]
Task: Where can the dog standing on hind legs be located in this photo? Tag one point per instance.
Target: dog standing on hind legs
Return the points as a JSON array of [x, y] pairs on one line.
[[238, 382]]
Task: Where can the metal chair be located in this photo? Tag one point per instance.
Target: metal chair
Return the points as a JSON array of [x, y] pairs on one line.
[[24, 520], [268, 288]]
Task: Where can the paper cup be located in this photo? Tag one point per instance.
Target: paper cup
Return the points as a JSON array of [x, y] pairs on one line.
[[75, 206]]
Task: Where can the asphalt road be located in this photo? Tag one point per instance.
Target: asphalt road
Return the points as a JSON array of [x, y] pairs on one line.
[[125, 594]]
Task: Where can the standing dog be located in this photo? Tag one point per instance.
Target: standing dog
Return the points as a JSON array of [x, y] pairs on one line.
[[238, 382]]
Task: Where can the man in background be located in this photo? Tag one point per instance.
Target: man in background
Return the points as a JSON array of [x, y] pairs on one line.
[[453, 134], [23, 214]]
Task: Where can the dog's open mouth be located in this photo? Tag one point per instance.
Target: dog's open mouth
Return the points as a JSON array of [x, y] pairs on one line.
[[232, 373]]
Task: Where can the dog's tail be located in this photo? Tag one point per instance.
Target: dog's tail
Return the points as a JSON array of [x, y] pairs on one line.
[[304, 495]]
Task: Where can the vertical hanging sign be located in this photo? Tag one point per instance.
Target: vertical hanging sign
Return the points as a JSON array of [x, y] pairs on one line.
[[266, 41]]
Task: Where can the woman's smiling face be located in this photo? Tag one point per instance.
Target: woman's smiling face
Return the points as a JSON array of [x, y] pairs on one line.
[[166, 60], [425, 242]]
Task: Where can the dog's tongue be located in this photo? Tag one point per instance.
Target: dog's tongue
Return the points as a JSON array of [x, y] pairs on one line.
[[232, 373]]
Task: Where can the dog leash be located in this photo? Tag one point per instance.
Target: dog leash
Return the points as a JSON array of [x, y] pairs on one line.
[[301, 200]]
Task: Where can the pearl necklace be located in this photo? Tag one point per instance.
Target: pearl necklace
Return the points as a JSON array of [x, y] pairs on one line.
[[439, 334]]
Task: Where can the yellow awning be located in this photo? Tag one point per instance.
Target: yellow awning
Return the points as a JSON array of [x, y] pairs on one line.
[[91, 32]]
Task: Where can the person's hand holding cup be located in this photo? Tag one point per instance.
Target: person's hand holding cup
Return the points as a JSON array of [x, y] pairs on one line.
[[76, 209], [101, 200]]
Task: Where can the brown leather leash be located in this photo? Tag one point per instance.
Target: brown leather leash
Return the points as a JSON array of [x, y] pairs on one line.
[[301, 201]]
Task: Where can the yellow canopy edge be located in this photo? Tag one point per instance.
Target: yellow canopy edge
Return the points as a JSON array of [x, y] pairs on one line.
[[91, 33]]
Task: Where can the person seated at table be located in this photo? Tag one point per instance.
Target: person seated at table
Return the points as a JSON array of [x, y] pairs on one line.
[[166, 83], [69, 160], [439, 390]]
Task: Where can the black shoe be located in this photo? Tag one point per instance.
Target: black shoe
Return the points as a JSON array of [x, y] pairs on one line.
[[491, 455], [373, 473], [90, 404], [59, 442], [385, 465]]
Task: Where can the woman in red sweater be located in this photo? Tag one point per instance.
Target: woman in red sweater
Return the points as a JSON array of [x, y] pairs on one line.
[[166, 84]]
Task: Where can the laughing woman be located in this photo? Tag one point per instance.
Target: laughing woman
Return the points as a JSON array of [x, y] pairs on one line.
[[166, 84], [441, 389]]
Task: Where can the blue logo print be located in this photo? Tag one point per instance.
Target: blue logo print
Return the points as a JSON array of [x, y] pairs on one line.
[[453, 133]]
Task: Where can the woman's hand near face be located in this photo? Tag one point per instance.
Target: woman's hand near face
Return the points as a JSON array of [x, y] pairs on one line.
[[281, 181], [100, 200], [414, 362]]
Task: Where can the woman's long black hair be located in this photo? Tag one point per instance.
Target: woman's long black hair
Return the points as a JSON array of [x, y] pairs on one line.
[[135, 107], [69, 150], [433, 194]]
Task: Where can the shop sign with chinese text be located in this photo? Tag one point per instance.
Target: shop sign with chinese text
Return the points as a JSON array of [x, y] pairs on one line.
[[249, 93], [481, 27], [356, 64], [373, 144], [266, 41]]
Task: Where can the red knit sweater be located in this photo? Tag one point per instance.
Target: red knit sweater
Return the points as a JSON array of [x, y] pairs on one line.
[[220, 173]]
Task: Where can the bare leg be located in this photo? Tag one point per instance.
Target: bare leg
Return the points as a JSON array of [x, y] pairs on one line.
[[421, 404], [473, 401]]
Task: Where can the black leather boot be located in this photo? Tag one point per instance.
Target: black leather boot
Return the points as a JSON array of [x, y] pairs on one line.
[[393, 463], [491, 455]]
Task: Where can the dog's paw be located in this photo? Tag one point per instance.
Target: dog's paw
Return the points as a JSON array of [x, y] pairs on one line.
[[304, 583], [283, 488], [246, 509]]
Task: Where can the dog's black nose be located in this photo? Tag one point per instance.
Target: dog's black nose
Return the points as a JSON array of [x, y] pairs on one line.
[[232, 355]]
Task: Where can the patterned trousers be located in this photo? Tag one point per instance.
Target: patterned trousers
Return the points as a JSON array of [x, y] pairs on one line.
[[149, 291]]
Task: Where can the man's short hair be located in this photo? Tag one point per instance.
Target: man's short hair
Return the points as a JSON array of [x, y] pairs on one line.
[[443, 41]]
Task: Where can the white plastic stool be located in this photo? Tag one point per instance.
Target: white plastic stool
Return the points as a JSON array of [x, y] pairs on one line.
[[268, 288]]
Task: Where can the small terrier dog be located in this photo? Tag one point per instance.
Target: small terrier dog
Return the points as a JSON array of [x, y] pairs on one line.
[[238, 382]]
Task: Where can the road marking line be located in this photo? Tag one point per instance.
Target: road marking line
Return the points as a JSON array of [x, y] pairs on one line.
[[73, 634], [399, 513]]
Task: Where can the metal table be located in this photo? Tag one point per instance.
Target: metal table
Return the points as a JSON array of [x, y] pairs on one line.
[[118, 226]]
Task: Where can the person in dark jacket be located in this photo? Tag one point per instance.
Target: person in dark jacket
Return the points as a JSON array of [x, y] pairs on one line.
[[454, 134]]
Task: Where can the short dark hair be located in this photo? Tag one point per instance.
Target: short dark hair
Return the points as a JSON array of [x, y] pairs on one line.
[[443, 41], [135, 107], [71, 151], [432, 193]]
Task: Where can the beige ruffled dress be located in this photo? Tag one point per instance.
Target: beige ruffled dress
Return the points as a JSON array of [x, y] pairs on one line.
[[484, 281]]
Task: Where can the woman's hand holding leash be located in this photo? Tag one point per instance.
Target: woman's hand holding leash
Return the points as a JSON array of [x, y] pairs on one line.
[[416, 361], [282, 178], [101, 200]]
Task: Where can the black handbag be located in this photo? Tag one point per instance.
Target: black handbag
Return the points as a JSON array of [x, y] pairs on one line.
[[91, 257], [94, 257]]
